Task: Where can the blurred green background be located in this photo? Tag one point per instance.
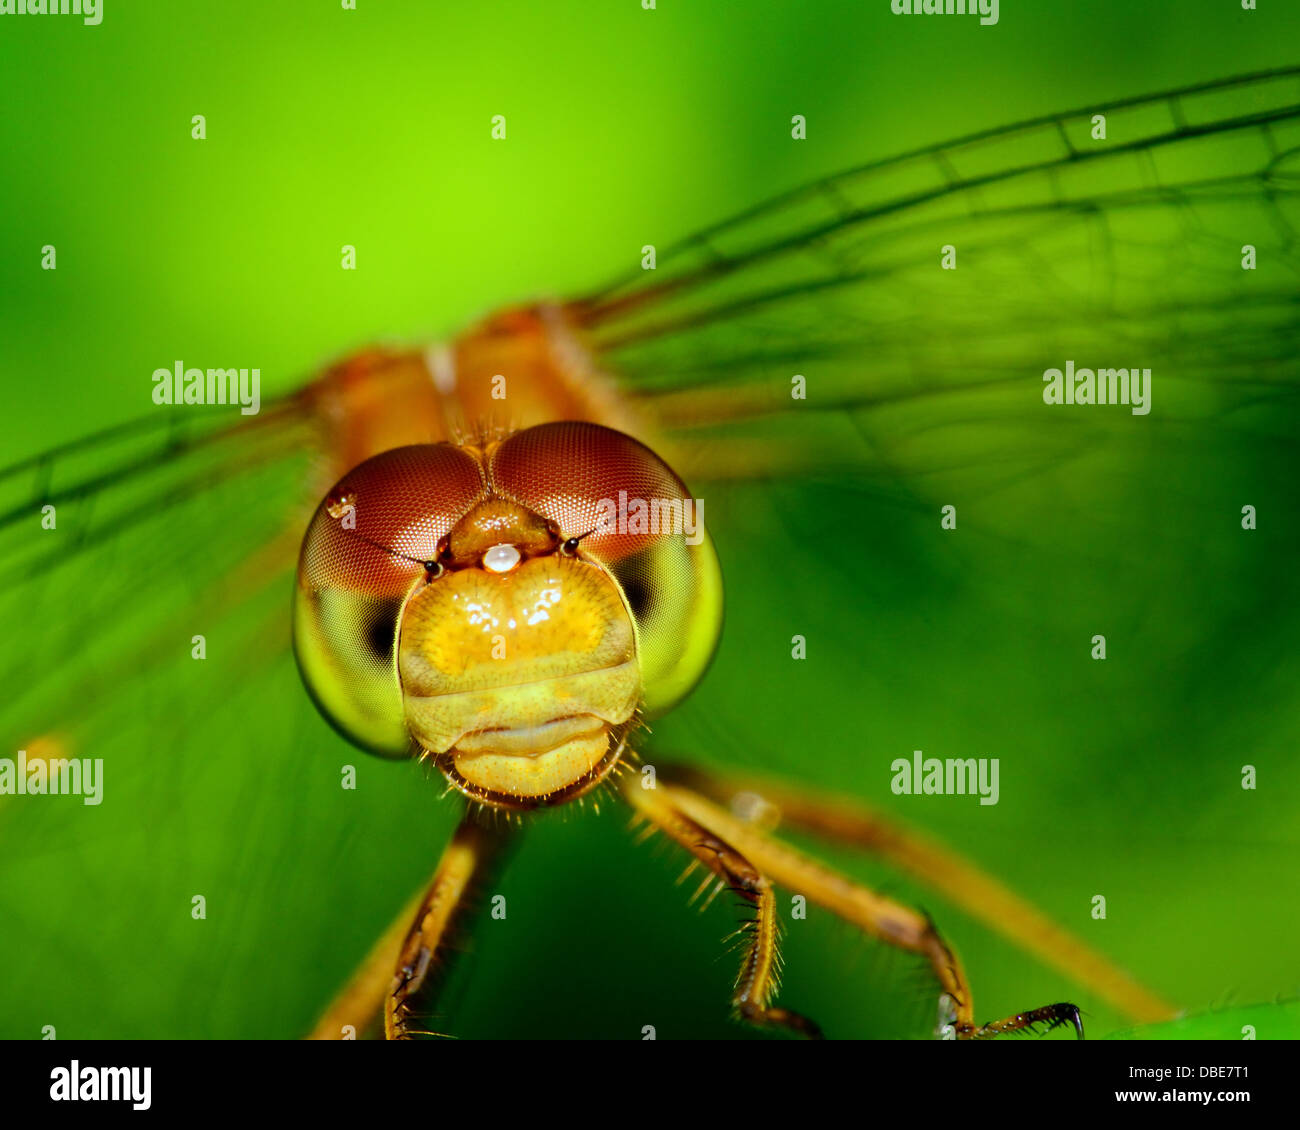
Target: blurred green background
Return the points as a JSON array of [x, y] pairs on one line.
[[626, 127]]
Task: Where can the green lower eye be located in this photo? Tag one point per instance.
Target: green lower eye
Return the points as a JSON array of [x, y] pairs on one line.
[[674, 592]]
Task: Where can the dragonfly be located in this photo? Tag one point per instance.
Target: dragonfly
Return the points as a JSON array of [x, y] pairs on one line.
[[820, 336]]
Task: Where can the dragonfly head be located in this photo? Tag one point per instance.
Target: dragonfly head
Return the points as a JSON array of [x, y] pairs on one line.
[[508, 610]]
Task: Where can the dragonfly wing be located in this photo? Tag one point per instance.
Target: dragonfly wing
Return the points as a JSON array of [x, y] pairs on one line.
[[120, 547], [921, 299]]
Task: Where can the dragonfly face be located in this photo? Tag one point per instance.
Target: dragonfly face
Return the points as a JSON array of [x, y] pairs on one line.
[[507, 608]]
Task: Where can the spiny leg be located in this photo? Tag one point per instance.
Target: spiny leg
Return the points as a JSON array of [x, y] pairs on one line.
[[768, 804], [359, 1003], [682, 812], [760, 968], [476, 847], [411, 958]]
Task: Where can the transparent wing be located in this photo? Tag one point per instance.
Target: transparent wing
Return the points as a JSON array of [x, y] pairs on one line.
[[1124, 250], [116, 549]]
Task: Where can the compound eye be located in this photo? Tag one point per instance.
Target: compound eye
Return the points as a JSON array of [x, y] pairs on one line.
[[633, 516], [371, 541]]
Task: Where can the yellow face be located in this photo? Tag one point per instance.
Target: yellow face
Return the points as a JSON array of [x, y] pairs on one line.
[[507, 611], [518, 673]]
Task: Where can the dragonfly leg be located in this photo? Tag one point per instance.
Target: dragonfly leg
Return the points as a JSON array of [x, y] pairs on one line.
[[408, 964], [718, 839], [768, 803], [760, 968]]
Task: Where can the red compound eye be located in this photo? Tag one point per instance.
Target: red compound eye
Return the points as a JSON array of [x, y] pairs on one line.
[[351, 587], [404, 500], [585, 478]]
